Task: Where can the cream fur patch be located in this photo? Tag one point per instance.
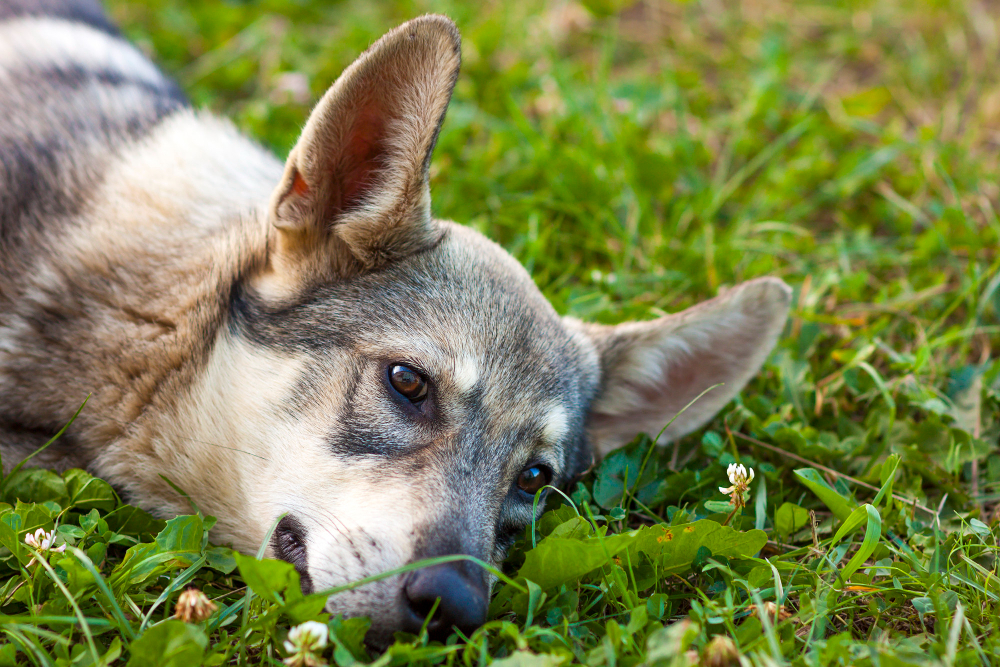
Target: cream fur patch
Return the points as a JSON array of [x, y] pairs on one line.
[[465, 373], [555, 424]]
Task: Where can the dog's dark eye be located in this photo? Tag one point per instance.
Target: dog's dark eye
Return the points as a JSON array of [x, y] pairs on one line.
[[408, 382], [533, 478]]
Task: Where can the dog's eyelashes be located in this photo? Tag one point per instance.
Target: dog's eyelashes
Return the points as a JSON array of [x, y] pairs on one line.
[[408, 382], [533, 478]]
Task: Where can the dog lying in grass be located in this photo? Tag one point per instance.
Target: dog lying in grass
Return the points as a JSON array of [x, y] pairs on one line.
[[305, 340]]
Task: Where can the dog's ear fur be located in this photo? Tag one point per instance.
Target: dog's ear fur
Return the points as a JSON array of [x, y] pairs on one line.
[[651, 370], [354, 193]]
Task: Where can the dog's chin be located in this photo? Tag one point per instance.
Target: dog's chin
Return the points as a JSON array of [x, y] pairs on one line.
[[380, 637], [382, 631]]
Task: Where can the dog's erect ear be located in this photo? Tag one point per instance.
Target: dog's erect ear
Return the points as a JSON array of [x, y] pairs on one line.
[[356, 181], [651, 370]]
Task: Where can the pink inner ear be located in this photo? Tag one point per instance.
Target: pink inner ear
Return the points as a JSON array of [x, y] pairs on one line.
[[363, 157], [299, 185]]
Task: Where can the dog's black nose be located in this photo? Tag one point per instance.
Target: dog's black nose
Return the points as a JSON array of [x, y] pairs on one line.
[[463, 596]]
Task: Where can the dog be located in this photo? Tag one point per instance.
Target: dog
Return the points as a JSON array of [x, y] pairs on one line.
[[303, 339]]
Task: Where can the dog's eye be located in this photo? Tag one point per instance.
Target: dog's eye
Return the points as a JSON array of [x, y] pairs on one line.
[[408, 382], [533, 478]]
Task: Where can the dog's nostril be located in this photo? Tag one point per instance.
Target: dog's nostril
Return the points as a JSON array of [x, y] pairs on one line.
[[424, 608], [461, 599]]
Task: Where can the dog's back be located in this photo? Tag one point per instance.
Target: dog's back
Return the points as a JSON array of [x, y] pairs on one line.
[[73, 93]]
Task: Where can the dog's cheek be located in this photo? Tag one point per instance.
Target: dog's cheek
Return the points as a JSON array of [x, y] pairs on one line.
[[362, 525]]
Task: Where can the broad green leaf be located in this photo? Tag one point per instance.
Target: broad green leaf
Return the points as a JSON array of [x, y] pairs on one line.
[[222, 559], [10, 528], [348, 636], [35, 485], [979, 528], [838, 504], [719, 506], [303, 608], [557, 561], [182, 533], [790, 518], [178, 545], [15, 523], [169, 644], [273, 580], [73, 574], [134, 522], [674, 548], [88, 492], [576, 528], [620, 469]]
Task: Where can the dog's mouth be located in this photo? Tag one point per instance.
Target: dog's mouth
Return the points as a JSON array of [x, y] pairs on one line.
[[437, 599], [289, 544]]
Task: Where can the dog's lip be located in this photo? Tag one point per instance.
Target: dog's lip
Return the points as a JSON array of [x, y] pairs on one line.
[[289, 544]]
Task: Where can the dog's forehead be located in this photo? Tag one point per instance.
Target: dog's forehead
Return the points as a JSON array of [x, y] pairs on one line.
[[465, 313], [474, 319]]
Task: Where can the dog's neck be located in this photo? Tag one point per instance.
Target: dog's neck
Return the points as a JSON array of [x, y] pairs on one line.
[[137, 306]]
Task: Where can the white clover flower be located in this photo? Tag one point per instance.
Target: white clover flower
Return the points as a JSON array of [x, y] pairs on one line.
[[740, 480], [304, 643], [738, 477], [42, 540]]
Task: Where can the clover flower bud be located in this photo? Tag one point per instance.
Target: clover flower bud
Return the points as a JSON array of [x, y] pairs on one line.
[[720, 652], [193, 606], [774, 612]]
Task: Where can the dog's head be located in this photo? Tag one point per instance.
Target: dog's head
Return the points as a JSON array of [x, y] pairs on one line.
[[401, 383]]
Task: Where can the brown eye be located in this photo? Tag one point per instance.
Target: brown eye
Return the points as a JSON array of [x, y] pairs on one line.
[[408, 382], [534, 478]]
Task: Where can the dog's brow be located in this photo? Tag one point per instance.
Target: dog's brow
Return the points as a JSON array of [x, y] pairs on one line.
[[465, 373], [555, 423]]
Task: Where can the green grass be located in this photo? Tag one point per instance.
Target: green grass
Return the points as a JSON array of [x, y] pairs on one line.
[[638, 159]]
